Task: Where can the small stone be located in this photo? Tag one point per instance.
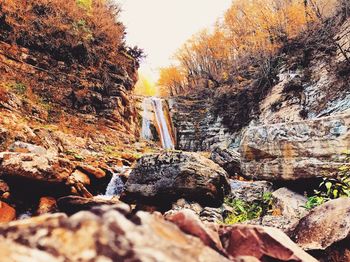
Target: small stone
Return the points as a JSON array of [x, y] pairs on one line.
[[46, 205], [7, 213]]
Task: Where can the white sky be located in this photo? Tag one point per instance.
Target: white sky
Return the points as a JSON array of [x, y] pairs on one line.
[[160, 27]]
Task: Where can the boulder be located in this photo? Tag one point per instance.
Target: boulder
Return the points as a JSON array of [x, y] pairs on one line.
[[74, 204], [105, 234], [7, 213], [41, 168], [190, 223], [287, 210], [295, 151], [46, 205], [163, 178], [289, 204], [261, 242], [228, 159], [324, 225], [249, 191], [92, 171], [81, 177]]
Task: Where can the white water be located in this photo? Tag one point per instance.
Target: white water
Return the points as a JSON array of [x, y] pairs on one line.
[[116, 186], [146, 122], [165, 136], [160, 118]]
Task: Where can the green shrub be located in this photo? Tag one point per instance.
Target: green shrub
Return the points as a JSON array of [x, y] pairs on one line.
[[334, 187], [244, 211]]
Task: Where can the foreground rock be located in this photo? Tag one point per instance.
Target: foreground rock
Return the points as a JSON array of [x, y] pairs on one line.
[[42, 168], [106, 234], [293, 151], [324, 225], [161, 179], [266, 244], [13, 252], [228, 159], [190, 223]]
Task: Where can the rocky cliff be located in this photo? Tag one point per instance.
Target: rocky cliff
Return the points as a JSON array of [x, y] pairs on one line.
[[308, 79], [69, 70]]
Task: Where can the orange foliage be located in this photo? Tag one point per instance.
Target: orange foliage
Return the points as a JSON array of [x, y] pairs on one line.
[[246, 38], [65, 25]]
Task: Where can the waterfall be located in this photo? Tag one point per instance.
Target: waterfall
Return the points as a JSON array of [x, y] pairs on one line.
[[161, 119], [165, 135], [146, 122], [116, 185]]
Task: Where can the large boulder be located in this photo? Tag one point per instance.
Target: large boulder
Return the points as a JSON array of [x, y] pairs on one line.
[[160, 179], [228, 159], [294, 151], [324, 226], [106, 234], [264, 243], [42, 168]]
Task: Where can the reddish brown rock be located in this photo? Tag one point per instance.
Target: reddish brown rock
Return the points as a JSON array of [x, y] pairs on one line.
[[81, 177], [261, 242], [189, 222], [324, 225], [46, 205], [7, 213], [93, 171]]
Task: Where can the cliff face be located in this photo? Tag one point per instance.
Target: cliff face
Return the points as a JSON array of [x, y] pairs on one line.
[[66, 66], [309, 80]]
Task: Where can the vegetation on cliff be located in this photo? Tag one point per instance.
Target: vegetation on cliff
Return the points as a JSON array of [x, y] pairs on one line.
[[243, 45]]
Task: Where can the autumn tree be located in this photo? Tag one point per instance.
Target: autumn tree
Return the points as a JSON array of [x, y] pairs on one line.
[[244, 41]]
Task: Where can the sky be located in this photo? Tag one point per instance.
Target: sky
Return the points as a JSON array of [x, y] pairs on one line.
[[160, 27]]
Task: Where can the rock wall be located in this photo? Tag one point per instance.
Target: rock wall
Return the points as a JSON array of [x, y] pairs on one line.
[[309, 80], [197, 128], [298, 150]]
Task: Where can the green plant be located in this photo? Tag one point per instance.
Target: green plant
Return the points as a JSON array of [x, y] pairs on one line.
[[314, 201], [333, 187], [244, 211]]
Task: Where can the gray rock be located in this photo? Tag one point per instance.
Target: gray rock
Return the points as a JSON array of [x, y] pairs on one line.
[[249, 191], [228, 159], [23, 147], [161, 179], [290, 204], [294, 151]]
